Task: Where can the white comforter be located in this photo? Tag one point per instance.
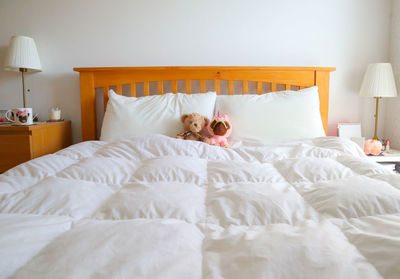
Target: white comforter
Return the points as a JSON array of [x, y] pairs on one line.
[[158, 207]]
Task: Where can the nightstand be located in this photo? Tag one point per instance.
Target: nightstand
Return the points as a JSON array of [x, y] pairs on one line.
[[389, 158], [19, 144]]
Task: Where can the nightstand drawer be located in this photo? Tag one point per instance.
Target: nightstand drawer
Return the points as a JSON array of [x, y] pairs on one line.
[[19, 144], [14, 150]]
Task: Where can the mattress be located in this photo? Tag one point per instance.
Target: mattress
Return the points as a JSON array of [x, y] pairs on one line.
[[157, 207]]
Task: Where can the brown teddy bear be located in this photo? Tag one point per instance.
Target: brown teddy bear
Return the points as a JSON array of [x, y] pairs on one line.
[[193, 124]]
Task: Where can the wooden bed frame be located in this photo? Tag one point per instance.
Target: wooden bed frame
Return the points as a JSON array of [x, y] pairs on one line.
[[289, 77]]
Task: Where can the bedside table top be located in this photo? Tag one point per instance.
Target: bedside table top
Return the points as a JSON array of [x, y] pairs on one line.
[[39, 125], [393, 156]]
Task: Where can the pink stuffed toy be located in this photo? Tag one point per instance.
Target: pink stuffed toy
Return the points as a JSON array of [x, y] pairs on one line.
[[220, 129]]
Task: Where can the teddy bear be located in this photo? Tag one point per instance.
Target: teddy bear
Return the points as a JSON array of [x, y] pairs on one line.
[[220, 129], [193, 124]]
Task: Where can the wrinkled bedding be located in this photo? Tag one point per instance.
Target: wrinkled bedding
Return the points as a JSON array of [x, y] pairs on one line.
[[157, 207]]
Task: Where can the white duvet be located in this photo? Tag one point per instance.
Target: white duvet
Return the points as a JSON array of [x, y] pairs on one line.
[[158, 207]]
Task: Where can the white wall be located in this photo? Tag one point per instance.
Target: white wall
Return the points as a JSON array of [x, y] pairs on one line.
[[392, 113], [341, 33]]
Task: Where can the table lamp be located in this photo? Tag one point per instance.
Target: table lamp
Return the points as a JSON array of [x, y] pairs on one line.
[[22, 56], [378, 83]]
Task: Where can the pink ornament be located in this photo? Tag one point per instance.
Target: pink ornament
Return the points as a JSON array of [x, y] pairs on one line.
[[387, 143], [220, 129], [372, 147]]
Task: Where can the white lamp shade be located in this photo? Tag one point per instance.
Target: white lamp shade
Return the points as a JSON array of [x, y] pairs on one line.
[[22, 53], [379, 81]]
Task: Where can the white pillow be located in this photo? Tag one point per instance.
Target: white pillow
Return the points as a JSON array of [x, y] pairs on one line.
[[273, 117], [129, 116]]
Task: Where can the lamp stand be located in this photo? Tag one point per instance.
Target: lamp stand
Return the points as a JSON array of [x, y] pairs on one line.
[[23, 70], [376, 118]]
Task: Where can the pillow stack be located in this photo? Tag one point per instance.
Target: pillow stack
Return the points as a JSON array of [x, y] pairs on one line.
[[127, 117], [268, 118], [274, 117]]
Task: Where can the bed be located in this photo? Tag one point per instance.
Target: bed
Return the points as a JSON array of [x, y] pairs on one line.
[[159, 207]]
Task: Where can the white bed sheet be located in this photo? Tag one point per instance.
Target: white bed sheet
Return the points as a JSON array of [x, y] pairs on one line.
[[157, 207]]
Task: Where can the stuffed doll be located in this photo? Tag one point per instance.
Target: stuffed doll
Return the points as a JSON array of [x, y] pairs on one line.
[[220, 129], [193, 124]]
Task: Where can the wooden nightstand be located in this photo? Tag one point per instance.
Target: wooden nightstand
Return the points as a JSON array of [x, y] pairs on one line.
[[19, 144]]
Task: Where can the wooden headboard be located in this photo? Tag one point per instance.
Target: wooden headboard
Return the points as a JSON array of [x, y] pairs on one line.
[[116, 77]]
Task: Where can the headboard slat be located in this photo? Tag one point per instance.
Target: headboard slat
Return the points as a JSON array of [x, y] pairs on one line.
[[146, 88], [230, 85], [259, 87], [105, 97], [188, 86], [216, 86], [202, 86], [92, 78], [174, 86], [160, 87], [133, 89], [245, 87], [119, 89]]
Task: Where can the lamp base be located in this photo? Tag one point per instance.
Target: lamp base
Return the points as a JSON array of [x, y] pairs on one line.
[[376, 118], [23, 70]]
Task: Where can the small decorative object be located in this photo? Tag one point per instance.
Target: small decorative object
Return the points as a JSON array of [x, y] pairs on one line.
[[349, 130], [20, 116], [36, 117], [383, 141], [378, 82], [397, 167], [3, 119], [387, 145], [373, 147], [22, 56], [193, 124], [220, 129], [55, 114]]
